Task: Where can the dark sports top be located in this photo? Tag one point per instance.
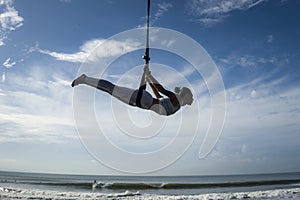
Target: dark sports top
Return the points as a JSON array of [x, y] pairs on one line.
[[166, 107]]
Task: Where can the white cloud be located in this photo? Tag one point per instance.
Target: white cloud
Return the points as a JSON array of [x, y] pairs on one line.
[[209, 21], [257, 114], [162, 8], [263, 60], [75, 57], [210, 12], [247, 60], [258, 88], [33, 127], [95, 49], [9, 19], [8, 64], [33, 48], [265, 117], [39, 110]]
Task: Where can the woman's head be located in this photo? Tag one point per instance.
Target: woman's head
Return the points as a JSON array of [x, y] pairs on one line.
[[185, 95]]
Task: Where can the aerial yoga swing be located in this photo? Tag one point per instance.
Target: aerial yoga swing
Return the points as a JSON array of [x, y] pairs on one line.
[[168, 104]]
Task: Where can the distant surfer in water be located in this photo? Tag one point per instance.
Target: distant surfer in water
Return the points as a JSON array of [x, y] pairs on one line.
[[167, 105], [94, 185]]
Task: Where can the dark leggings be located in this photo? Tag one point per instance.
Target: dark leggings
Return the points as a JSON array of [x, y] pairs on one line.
[[106, 86]]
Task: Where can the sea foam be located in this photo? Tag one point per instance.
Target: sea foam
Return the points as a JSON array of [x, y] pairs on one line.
[[13, 193]]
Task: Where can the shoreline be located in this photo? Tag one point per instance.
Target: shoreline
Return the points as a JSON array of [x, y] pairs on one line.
[[15, 193]]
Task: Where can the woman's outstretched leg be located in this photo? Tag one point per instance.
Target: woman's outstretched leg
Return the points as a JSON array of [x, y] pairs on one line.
[[124, 94], [100, 84]]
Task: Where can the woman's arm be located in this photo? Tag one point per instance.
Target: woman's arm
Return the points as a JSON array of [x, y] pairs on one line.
[[157, 85], [147, 79], [155, 90], [159, 88]]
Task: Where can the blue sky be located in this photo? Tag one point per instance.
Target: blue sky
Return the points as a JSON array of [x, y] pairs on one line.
[[254, 44]]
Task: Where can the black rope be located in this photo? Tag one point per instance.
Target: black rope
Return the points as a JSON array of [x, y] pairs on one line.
[[146, 57]]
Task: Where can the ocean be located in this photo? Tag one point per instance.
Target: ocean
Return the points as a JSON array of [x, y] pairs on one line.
[[16, 185]]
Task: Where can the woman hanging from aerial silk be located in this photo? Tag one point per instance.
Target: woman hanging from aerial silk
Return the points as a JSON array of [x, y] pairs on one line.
[[168, 104]]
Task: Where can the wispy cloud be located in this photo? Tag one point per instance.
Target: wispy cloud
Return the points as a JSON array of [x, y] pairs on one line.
[[213, 11], [262, 105], [259, 112], [247, 60], [40, 110], [94, 49], [9, 19], [79, 57], [162, 8], [262, 86]]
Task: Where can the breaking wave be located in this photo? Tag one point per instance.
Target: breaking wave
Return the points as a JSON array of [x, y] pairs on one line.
[[153, 186]]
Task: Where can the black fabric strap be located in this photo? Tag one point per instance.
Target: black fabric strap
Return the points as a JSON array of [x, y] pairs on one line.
[[146, 57]]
